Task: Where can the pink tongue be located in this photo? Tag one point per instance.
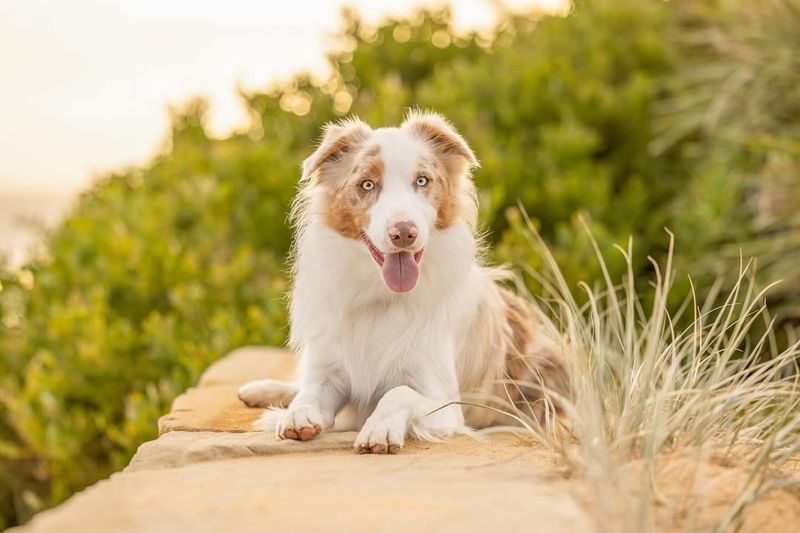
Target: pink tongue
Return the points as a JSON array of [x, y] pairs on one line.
[[400, 271]]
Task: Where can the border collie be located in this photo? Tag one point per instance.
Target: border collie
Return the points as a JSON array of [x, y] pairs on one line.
[[392, 309]]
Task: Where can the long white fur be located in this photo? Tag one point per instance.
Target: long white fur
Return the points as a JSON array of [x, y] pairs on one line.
[[399, 359]]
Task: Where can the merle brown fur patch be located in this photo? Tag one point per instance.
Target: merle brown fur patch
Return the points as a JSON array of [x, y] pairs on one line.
[[450, 164], [534, 373], [339, 143], [347, 202]]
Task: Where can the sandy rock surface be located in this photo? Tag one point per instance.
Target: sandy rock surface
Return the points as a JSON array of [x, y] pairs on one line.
[[209, 472]]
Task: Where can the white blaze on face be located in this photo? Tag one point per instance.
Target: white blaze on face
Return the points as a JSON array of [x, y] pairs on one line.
[[391, 188], [400, 201]]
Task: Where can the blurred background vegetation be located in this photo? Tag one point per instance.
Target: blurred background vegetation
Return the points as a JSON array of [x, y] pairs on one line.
[[631, 115]]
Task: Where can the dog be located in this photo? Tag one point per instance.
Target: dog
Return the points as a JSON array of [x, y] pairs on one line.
[[392, 309]]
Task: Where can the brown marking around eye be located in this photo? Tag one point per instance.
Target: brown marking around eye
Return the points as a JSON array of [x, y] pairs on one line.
[[440, 191], [347, 203], [374, 167], [452, 193]]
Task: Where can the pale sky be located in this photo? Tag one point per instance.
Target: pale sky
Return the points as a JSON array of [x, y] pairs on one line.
[[85, 84]]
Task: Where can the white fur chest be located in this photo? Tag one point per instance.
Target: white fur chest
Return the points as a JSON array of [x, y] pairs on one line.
[[345, 320]]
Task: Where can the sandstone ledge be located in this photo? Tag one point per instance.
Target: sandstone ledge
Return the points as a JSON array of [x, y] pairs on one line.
[[209, 472]]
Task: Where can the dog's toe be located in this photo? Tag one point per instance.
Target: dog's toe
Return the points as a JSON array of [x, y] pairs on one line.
[[380, 438], [362, 447], [308, 432], [379, 447], [300, 423]]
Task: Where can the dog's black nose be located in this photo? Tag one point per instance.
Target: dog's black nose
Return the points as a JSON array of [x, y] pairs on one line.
[[403, 234]]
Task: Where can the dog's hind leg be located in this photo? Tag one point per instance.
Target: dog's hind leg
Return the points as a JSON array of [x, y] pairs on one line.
[[267, 393]]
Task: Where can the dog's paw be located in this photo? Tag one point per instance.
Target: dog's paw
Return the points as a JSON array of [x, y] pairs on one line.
[[303, 422], [267, 393], [384, 436]]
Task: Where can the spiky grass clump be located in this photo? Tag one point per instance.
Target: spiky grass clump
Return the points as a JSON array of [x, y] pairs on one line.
[[650, 384]]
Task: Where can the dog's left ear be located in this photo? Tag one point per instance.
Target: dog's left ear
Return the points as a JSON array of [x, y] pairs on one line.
[[338, 139], [442, 136]]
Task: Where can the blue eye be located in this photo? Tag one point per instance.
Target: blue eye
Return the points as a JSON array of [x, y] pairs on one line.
[[367, 185], [422, 181]]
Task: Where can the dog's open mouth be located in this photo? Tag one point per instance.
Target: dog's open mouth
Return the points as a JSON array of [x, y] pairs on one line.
[[400, 269]]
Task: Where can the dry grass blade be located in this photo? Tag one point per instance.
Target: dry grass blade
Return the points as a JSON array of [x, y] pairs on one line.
[[653, 384]]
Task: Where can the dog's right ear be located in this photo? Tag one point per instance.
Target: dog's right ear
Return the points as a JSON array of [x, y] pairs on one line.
[[338, 140]]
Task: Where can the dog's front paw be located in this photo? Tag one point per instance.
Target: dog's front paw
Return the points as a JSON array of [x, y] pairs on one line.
[[303, 422], [384, 436]]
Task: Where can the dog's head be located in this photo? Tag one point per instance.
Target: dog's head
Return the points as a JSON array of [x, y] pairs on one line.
[[392, 188]]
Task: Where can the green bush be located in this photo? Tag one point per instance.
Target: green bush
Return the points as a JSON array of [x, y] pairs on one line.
[[158, 271], [154, 275]]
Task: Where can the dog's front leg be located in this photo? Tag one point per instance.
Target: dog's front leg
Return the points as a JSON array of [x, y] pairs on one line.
[[320, 395], [427, 413], [314, 408], [403, 410]]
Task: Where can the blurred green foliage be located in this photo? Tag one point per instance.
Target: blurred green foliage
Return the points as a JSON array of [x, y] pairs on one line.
[[630, 115]]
